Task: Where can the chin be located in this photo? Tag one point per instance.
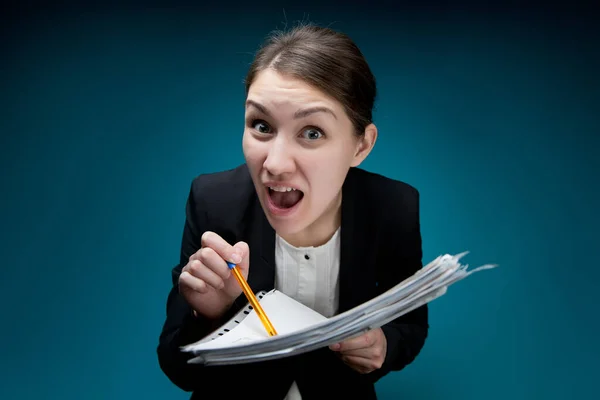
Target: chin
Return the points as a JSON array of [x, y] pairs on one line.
[[286, 227]]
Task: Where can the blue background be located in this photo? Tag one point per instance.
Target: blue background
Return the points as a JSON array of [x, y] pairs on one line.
[[109, 113]]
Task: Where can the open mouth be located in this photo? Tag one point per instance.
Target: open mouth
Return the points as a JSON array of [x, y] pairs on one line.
[[284, 198]]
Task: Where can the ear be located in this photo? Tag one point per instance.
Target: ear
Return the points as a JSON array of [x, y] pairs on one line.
[[365, 144]]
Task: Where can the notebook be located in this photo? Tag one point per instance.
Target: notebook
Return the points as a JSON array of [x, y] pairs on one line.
[[285, 313]]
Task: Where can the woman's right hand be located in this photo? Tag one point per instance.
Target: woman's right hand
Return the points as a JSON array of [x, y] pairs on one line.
[[206, 282]]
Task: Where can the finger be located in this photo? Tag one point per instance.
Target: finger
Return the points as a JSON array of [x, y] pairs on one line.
[[360, 342], [374, 356], [368, 352], [194, 256], [211, 260], [362, 365], [186, 280], [200, 271], [223, 249], [243, 249]]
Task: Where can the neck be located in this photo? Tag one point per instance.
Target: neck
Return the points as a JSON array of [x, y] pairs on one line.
[[319, 232]]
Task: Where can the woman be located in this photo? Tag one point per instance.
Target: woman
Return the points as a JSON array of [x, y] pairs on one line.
[[299, 216]]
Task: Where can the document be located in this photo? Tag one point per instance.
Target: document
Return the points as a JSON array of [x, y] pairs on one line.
[[300, 329]]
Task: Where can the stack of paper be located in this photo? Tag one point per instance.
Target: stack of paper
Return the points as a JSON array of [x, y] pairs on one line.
[[300, 329]]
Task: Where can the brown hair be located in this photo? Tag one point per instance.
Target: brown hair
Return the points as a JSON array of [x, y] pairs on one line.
[[326, 59]]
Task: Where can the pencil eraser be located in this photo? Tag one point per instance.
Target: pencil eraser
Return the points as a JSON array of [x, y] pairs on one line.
[[230, 265]]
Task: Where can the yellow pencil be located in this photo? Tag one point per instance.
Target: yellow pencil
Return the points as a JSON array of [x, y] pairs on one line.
[[252, 299]]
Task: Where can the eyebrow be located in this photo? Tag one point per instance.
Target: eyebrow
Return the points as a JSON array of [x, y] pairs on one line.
[[298, 114]]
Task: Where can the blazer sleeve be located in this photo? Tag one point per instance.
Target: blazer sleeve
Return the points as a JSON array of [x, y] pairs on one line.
[[181, 327], [406, 334]]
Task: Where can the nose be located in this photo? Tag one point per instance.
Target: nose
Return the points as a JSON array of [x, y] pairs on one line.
[[280, 158]]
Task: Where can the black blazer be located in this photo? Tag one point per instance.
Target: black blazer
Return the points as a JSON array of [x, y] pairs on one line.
[[380, 247]]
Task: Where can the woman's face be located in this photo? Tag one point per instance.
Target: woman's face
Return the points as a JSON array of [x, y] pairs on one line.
[[299, 144]]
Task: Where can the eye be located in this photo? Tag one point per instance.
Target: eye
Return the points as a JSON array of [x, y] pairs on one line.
[[312, 134], [261, 126]]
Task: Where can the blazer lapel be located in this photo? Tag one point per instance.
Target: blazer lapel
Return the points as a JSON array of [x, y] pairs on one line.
[[261, 239], [349, 253]]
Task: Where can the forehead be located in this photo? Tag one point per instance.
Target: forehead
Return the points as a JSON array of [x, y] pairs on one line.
[[275, 89]]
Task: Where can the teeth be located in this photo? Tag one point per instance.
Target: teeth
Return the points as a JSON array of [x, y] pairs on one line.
[[281, 188]]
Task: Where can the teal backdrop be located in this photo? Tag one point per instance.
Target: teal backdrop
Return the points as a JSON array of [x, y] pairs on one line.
[[108, 113]]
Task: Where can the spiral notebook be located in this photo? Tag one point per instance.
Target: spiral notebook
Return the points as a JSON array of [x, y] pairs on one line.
[[286, 314], [243, 339]]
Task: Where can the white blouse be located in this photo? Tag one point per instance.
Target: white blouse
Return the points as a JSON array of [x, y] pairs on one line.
[[310, 276]]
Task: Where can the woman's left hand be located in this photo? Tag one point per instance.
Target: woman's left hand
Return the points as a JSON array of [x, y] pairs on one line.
[[364, 353]]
